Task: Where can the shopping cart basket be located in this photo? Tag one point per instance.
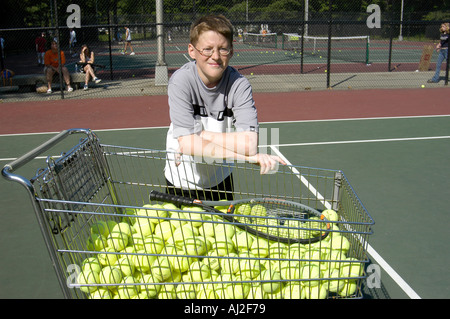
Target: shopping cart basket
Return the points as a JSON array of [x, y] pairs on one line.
[[106, 239]]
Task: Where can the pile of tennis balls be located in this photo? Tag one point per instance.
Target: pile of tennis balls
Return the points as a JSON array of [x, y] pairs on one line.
[[209, 259]]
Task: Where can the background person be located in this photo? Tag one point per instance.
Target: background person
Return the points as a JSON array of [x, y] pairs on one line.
[[41, 47], [442, 49], [52, 67], [87, 57], [127, 41]]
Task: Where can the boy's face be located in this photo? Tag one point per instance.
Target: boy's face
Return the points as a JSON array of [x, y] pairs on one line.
[[211, 68]]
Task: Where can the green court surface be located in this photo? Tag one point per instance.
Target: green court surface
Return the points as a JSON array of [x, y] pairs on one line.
[[398, 167]]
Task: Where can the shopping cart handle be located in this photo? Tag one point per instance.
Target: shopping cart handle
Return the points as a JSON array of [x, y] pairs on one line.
[[24, 159]]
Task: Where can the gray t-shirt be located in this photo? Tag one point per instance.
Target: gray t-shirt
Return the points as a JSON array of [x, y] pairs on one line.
[[195, 107]]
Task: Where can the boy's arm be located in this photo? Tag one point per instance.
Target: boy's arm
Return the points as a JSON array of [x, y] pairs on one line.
[[245, 143]]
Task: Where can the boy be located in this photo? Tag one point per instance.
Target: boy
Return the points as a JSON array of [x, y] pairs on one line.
[[52, 66], [206, 98]]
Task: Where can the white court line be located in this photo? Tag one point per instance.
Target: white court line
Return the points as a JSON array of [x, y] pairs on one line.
[[370, 250]]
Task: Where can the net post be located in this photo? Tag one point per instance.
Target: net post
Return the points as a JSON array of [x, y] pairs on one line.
[[367, 50]]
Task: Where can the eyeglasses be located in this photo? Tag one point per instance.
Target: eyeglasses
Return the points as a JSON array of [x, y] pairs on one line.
[[210, 52]]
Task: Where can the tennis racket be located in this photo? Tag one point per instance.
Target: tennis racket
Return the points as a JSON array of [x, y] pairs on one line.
[[270, 218]]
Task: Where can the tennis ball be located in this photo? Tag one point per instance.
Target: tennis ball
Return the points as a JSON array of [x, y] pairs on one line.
[[110, 275], [142, 261], [423, 86], [277, 250], [96, 242], [154, 244], [331, 215], [100, 228], [148, 286], [335, 285], [181, 262], [88, 277], [207, 230], [316, 292], [126, 265], [123, 227], [167, 292], [101, 293], [242, 241], [161, 269], [339, 242], [108, 256], [272, 281], [226, 229], [199, 271], [206, 293], [195, 246], [260, 247], [290, 269], [229, 264], [212, 260], [258, 210], [249, 265], [294, 291], [295, 251], [91, 263], [223, 245], [144, 226], [349, 288], [222, 208], [180, 235], [164, 229], [238, 289], [195, 214], [251, 73], [154, 211], [117, 240], [256, 293], [351, 269], [243, 209], [129, 288], [310, 273], [186, 291], [129, 212]]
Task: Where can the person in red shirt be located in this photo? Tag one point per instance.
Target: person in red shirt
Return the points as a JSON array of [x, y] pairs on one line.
[[52, 67], [40, 48]]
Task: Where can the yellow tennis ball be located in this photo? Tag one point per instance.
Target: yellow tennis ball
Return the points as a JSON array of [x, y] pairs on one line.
[[277, 250], [167, 292], [229, 264], [148, 286], [186, 291], [351, 268], [91, 263], [88, 277], [108, 256], [310, 273], [335, 285], [126, 265], [154, 244], [242, 241], [223, 245], [212, 260], [100, 228], [226, 229], [272, 281], [110, 275], [128, 289], [340, 242], [164, 229], [117, 240], [180, 235], [258, 210], [331, 215], [199, 271], [251, 73], [181, 261], [144, 226], [316, 292], [290, 269], [154, 211], [195, 246], [101, 293], [260, 247], [161, 268], [238, 289], [249, 265], [142, 261], [294, 291], [124, 228], [195, 214], [96, 242]]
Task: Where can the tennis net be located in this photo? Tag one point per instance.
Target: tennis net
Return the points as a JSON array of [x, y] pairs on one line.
[[268, 40], [350, 49]]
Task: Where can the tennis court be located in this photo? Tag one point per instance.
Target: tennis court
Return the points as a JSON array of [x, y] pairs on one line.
[[397, 165]]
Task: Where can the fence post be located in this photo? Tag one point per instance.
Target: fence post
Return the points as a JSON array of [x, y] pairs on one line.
[[330, 25], [59, 50], [161, 71]]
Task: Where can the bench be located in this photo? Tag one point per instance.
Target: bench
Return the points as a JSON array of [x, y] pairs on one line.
[[35, 80]]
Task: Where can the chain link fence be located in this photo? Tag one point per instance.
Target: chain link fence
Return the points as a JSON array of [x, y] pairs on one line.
[[280, 45]]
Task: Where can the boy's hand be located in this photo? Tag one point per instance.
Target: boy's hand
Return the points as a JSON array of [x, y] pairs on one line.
[[268, 163]]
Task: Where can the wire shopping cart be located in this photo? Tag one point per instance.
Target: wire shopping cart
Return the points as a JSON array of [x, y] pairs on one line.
[[107, 240]]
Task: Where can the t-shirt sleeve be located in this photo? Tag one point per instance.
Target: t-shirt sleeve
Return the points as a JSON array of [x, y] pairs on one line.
[[180, 106], [245, 116]]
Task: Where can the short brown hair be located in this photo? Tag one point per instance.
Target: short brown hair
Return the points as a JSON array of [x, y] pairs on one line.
[[217, 23]]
